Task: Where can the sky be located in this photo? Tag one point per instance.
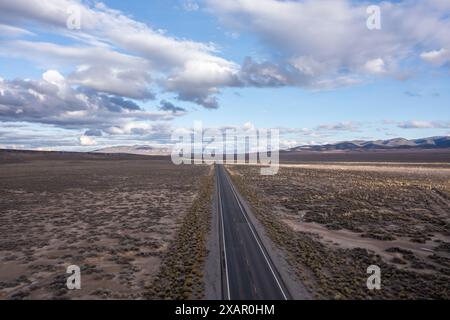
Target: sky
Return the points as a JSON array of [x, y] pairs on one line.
[[82, 75]]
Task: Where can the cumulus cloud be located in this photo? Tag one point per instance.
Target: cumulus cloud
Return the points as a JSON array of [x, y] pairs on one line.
[[340, 126], [265, 74], [437, 57], [98, 68], [11, 32], [375, 66], [169, 106], [87, 141], [93, 133], [310, 44], [118, 55], [31, 136], [52, 100], [199, 80], [415, 124], [318, 42]]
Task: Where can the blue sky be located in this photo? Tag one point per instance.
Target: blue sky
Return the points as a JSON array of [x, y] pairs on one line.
[[136, 70]]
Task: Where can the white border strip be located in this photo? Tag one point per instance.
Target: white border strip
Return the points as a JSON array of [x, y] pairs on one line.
[[223, 236]]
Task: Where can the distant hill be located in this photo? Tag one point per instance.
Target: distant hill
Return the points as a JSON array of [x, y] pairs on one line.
[[392, 144], [136, 149]]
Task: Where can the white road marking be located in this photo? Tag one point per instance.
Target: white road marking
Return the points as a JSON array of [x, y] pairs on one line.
[[223, 237], [257, 241]]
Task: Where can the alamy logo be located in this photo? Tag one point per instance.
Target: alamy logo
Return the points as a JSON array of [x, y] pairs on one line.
[[228, 145], [374, 20], [74, 20], [74, 280], [374, 280]]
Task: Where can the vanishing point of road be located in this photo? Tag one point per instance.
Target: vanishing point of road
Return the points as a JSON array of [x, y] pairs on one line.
[[248, 273]]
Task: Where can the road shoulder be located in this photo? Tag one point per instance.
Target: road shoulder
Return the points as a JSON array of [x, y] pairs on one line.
[[212, 272]]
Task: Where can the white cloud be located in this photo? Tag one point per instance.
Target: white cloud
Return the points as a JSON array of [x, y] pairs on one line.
[[318, 44], [54, 77], [119, 55], [340, 126], [416, 124], [436, 57], [87, 141], [289, 143], [97, 68], [327, 40], [199, 80], [11, 32], [53, 101], [375, 66]]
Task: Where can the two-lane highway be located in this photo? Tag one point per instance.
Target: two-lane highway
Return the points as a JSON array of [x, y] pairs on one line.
[[248, 273]]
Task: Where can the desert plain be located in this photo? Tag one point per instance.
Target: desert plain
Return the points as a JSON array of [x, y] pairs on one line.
[[137, 226], [116, 217]]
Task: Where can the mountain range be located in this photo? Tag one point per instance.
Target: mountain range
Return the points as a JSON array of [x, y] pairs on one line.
[[391, 144], [136, 149], [354, 145]]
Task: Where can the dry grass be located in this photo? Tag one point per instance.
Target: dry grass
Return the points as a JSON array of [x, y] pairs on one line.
[[181, 274]]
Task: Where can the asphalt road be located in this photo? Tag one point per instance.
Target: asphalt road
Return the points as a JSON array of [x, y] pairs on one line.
[[247, 270]]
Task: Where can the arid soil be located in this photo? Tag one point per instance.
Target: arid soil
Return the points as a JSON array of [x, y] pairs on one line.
[[115, 218], [334, 221], [374, 156]]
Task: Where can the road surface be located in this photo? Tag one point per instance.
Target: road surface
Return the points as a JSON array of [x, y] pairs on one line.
[[247, 270]]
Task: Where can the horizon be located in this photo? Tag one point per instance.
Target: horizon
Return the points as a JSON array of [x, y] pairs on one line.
[[170, 147]]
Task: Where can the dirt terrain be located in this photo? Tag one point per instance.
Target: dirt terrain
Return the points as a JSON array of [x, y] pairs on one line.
[[334, 221], [374, 156], [114, 216], [137, 226]]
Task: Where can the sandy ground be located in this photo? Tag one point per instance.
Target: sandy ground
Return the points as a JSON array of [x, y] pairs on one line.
[[350, 240], [414, 169], [114, 219]]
